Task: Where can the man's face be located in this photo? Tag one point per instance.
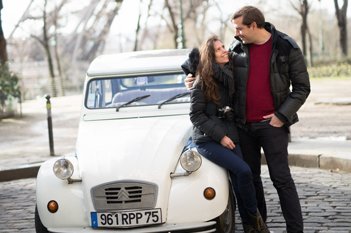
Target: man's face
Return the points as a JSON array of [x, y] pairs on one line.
[[220, 52], [244, 32]]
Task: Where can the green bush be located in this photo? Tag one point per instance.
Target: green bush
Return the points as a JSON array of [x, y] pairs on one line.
[[8, 84], [336, 70]]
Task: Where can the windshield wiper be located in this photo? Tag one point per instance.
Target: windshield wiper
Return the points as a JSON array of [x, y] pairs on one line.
[[173, 98], [131, 101]]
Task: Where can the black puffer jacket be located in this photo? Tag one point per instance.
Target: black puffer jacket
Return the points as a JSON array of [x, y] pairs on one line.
[[287, 67], [205, 116]]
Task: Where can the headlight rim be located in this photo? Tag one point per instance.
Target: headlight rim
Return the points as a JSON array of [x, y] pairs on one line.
[[61, 175], [194, 153]]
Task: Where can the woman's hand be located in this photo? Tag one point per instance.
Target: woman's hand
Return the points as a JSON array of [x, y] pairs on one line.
[[227, 142], [189, 81]]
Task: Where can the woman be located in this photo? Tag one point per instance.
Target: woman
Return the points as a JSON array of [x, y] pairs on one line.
[[215, 133]]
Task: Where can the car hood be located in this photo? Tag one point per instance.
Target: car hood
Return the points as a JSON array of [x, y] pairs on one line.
[[131, 149]]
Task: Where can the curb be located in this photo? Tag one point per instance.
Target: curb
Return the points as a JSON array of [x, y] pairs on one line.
[[318, 161], [20, 172]]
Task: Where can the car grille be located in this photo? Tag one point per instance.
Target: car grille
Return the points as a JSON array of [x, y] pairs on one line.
[[123, 195]]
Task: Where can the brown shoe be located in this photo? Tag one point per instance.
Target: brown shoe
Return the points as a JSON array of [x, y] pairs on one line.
[[258, 224], [249, 229]]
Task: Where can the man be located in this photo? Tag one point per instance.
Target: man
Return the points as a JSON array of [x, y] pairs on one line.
[[266, 62]]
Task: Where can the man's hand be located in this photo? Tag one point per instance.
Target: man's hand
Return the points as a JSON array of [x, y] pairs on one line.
[[275, 122], [189, 81], [227, 142]]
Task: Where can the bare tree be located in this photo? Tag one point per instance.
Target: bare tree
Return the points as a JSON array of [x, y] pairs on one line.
[[198, 17], [56, 46], [91, 31], [223, 20], [303, 9], [45, 42], [49, 35], [23, 18], [137, 30], [145, 30], [341, 16], [86, 41], [173, 25], [177, 18]]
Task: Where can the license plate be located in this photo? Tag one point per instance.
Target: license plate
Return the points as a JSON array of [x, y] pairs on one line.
[[126, 218]]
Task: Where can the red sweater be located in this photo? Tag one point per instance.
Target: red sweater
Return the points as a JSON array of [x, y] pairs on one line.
[[259, 101]]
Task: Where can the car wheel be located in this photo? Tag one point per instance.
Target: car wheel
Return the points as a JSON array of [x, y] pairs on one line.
[[226, 221], [39, 227]]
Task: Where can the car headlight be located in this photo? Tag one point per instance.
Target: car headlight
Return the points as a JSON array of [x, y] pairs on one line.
[[63, 169], [190, 160]]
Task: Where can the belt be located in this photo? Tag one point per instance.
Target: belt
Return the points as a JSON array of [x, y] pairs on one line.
[[258, 125], [259, 122]]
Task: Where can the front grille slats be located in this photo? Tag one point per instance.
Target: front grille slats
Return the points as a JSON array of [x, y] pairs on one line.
[[123, 195]]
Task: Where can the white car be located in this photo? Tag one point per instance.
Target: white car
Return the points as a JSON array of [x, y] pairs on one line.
[[134, 168]]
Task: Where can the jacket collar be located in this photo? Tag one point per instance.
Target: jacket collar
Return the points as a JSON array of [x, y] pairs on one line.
[[237, 43]]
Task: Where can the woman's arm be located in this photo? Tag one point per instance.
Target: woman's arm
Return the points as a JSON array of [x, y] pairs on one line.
[[200, 119]]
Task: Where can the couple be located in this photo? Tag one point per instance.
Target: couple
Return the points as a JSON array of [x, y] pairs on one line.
[[245, 94]]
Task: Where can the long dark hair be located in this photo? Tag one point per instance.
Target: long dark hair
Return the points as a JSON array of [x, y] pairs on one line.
[[205, 70]]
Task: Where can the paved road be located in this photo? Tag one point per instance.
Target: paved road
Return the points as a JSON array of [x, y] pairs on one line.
[[325, 199]]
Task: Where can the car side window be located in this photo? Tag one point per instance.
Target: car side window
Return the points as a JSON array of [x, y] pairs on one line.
[[99, 93]]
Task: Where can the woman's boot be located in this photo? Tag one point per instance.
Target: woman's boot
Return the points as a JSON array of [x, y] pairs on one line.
[[249, 229], [258, 224]]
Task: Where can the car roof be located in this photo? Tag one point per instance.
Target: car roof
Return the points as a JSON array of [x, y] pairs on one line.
[[140, 62]]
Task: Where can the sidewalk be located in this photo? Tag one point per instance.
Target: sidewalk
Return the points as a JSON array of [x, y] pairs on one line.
[[321, 139], [24, 141]]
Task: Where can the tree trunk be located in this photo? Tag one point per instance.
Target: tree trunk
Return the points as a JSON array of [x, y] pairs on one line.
[[341, 16], [304, 13], [303, 10], [145, 32], [48, 53], [311, 46], [3, 50], [137, 30], [174, 27], [58, 62]]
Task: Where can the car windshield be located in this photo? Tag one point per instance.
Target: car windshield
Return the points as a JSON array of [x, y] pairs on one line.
[[114, 92]]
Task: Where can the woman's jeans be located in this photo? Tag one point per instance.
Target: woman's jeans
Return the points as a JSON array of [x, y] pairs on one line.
[[239, 172]]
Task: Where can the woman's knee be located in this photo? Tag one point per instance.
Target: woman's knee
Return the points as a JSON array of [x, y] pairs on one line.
[[245, 173]]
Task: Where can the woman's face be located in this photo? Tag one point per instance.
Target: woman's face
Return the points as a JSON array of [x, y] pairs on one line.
[[221, 54]]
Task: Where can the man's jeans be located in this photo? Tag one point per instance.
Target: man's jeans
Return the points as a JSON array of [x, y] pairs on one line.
[[274, 142]]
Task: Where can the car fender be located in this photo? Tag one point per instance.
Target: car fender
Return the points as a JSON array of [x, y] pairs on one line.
[[70, 199], [187, 193]]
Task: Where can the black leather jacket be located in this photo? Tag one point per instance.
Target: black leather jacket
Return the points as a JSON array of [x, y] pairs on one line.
[[206, 117], [287, 68]]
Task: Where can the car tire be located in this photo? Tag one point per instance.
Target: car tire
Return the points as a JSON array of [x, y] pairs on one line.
[[39, 227], [225, 223]]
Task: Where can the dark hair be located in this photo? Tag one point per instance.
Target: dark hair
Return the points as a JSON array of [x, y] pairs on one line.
[[250, 14], [205, 70]]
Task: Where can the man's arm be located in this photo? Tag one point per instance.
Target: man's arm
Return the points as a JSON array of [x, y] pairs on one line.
[[300, 85]]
